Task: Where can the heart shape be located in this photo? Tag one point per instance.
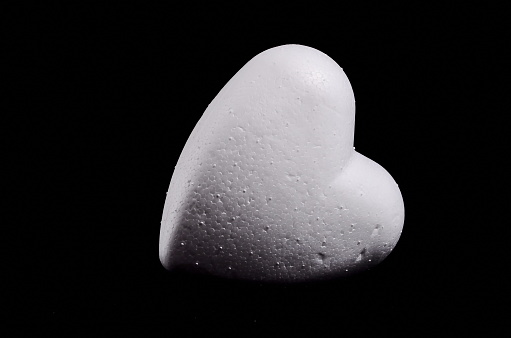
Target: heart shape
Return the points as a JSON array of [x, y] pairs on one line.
[[269, 187]]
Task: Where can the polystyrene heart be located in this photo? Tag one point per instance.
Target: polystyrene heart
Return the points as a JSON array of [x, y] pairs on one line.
[[269, 187]]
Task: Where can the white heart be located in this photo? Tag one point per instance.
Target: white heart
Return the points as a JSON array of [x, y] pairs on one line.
[[269, 186]]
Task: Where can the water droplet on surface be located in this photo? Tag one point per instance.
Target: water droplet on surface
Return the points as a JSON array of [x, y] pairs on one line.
[[182, 243], [376, 231]]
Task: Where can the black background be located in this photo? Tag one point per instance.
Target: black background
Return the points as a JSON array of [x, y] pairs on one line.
[[104, 97]]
